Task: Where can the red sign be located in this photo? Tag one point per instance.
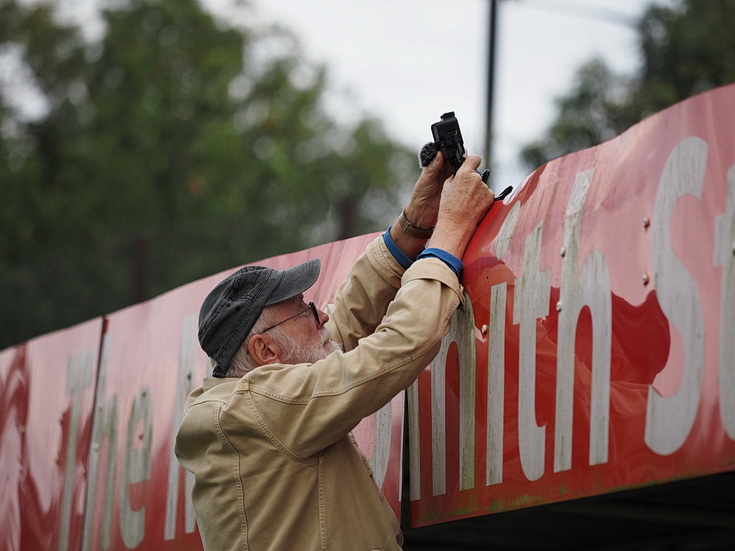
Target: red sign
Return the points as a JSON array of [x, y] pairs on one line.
[[150, 361], [596, 350], [46, 395]]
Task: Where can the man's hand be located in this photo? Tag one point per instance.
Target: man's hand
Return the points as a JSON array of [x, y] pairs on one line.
[[465, 200], [423, 207]]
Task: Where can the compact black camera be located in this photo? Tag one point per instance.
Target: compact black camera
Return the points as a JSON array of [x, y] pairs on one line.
[[448, 139]]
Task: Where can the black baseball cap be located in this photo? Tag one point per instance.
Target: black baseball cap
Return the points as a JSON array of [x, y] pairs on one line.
[[230, 310]]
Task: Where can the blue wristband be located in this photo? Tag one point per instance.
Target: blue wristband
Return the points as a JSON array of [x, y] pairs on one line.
[[401, 258], [449, 259]]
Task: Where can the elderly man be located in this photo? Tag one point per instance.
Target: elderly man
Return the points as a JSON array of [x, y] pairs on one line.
[[268, 436]]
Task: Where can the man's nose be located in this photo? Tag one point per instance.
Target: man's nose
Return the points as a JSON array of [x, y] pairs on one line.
[[323, 317]]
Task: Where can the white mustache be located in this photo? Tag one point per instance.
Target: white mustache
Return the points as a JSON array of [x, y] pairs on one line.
[[326, 336]]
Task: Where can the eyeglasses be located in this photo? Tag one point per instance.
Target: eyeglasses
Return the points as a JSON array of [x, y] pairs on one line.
[[311, 307]]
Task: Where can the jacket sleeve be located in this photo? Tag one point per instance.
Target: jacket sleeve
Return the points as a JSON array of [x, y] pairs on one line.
[[361, 301], [306, 408]]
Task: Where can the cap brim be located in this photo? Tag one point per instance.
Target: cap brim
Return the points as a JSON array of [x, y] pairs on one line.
[[295, 281]]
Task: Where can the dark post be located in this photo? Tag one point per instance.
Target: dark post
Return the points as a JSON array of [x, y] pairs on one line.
[[491, 81]]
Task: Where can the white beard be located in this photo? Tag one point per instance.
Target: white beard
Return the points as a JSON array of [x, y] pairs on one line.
[[294, 353]]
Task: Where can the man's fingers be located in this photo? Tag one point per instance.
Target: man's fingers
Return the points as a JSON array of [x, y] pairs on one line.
[[471, 163], [435, 165]]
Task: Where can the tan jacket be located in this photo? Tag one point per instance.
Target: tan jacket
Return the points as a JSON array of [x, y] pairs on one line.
[[275, 464]]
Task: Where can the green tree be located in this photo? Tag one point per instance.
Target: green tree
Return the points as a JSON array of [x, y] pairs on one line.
[[685, 49], [172, 147]]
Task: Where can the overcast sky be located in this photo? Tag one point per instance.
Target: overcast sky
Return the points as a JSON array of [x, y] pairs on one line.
[[409, 61]]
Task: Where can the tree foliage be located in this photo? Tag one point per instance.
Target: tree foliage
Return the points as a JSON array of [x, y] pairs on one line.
[[685, 49], [170, 148]]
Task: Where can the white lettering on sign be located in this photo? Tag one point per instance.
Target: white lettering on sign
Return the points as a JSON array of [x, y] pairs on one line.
[[137, 457], [585, 287], [462, 334], [585, 284], [79, 376], [104, 429], [496, 385], [496, 359], [531, 302], [725, 257], [185, 376], [381, 450], [136, 468], [414, 441], [439, 422], [467, 394], [670, 419]]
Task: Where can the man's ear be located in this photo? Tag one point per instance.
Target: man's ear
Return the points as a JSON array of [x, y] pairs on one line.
[[264, 350]]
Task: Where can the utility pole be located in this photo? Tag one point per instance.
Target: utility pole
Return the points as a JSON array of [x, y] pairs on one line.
[[492, 46], [569, 7]]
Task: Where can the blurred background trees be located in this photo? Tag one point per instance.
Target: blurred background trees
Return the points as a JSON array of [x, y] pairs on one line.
[[173, 147], [685, 49]]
